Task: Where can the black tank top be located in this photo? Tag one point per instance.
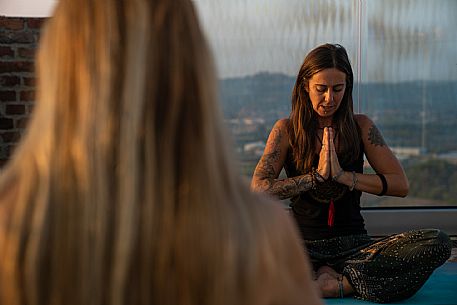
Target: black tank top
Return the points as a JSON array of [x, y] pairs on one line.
[[310, 209]]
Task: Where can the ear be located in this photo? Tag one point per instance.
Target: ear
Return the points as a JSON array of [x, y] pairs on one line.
[[306, 86]]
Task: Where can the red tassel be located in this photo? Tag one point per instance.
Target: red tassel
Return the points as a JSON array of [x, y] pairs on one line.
[[331, 214]]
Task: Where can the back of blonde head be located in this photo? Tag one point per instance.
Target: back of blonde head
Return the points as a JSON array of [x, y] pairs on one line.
[[122, 192]]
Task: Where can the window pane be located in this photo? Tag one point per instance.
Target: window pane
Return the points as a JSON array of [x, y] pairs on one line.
[[259, 47], [403, 57], [409, 87]]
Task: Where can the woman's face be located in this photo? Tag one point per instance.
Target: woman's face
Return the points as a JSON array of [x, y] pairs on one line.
[[326, 90]]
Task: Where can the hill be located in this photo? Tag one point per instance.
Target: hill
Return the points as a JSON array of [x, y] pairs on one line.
[[408, 113]]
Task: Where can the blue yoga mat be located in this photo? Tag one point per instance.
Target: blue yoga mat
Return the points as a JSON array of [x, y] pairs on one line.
[[440, 289]]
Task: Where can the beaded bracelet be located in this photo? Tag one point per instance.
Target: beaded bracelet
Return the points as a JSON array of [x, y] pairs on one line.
[[335, 178], [340, 287], [354, 181], [316, 177], [313, 180]]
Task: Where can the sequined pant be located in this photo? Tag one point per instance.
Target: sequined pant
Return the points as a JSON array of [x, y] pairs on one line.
[[386, 270]]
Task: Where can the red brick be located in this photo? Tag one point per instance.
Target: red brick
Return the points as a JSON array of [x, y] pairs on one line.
[[16, 66], [13, 109], [10, 136], [30, 108], [6, 123], [7, 96], [27, 95], [20, 123], [11, 23], [9, 81], [35, 23], [17, 37], [26, 52], [29, 81], [37, 36], [6, 52]]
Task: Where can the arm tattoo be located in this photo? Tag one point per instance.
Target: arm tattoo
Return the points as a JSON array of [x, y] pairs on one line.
[[264, 171], [265, 174], [375, 137], [290, 187]]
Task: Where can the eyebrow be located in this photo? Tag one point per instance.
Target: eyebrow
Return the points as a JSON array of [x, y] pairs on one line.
[[340, 84]]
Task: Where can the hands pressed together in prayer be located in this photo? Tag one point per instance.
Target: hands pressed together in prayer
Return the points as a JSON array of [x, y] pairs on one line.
[[329, 166]]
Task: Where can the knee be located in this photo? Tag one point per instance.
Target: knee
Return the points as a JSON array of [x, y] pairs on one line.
[[438, 238], [440, 241], [432, 236], [444, 241]]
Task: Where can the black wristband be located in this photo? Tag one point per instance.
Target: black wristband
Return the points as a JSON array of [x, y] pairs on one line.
[[384, 184]]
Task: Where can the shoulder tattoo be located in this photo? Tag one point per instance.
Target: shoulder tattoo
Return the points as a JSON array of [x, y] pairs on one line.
[[265, 167], [277, 135], [375, 137]]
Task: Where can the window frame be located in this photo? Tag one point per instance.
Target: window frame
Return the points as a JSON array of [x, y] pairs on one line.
[[383, 221]]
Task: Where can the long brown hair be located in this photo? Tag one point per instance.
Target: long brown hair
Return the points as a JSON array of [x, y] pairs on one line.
[[124, 189], [303, 122]]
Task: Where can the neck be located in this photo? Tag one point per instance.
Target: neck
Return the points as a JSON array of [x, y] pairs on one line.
[[325, 122]]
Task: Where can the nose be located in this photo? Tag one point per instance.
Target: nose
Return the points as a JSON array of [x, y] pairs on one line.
[[329, 96]]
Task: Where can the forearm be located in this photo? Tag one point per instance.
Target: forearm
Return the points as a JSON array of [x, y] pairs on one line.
[[396, 185], [283, 188]]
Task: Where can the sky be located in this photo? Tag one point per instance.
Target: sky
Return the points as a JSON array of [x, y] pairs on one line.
[[387, 40]]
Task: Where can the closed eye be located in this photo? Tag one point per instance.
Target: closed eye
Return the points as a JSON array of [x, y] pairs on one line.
[[338, 88], [321, 88]]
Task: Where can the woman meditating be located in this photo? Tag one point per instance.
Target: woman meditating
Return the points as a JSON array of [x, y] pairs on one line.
[[321, 147], [111, 197]]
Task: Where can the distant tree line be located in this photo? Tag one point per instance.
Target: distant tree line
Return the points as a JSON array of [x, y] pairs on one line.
[[433, 179]]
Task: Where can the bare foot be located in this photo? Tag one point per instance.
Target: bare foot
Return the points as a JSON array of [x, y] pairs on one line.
[[327, 281], [329, 270], [328, 285]]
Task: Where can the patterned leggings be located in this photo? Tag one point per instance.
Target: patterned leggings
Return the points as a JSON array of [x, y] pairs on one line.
[[386, 270]]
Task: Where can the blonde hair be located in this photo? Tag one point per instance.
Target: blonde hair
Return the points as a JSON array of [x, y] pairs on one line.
[[122, 191]]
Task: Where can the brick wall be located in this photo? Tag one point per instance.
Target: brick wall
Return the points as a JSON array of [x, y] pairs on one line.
[[18, 42]]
